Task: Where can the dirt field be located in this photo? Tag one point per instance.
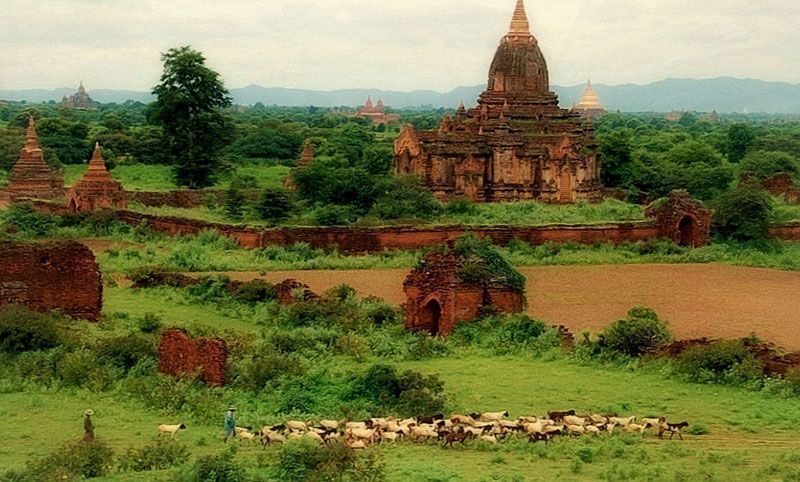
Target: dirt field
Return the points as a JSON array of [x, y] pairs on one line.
[[698, 300]]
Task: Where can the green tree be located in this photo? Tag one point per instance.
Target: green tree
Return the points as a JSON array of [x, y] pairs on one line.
[[189, 104], [617, 155], [765, 164], [743, 213], [739, 139], [274, 205]]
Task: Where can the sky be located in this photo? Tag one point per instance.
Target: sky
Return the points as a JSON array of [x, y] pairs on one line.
[[392, 44]]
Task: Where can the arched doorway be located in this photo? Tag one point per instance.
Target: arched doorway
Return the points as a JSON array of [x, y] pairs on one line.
[[430, 317], [686, 229], [73, 205]]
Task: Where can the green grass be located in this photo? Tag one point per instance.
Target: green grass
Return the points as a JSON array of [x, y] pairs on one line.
[[146, 177], [532, 213]]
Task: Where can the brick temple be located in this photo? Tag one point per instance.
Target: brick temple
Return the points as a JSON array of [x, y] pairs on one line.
[[516, 144], [96, 189], [79, 100], [31, 176], [375, 113]]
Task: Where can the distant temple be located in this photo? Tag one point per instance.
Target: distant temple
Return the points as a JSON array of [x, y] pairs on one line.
[[516, 144], [31, 176], [96, 189], [80, 100], [306, 158], [376, 113], [589, 106]]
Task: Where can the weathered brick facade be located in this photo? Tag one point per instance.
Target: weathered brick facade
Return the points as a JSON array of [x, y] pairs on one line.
[[96, 189], [516, 144], [60, 276], [683, 219], [437, 298], [180, 355]]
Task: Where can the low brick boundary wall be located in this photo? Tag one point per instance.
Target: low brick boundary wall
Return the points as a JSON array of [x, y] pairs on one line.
[[180, 355], [354, 240]]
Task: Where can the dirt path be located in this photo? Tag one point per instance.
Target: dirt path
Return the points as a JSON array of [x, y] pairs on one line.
[[698, 300]]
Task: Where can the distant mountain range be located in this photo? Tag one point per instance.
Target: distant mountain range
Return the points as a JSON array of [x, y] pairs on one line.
[[723, 95]]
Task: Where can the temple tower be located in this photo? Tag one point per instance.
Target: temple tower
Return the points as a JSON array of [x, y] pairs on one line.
[[589, 106], [31, 177], [96, 189]]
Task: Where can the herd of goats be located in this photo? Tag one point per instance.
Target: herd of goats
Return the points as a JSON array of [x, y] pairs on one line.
[[491, 427]]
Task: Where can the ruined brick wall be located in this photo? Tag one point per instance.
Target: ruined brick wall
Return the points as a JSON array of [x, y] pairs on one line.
[[60, 276], [782, 184], [182, 198], [684, 220], [787, 232], [180, 355]]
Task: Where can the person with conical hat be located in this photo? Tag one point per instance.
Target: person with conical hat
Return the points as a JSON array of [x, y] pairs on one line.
[[88, 426], [230, 423]]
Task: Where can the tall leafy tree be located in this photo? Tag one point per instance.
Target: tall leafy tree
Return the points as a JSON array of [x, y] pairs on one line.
[[189, 104]]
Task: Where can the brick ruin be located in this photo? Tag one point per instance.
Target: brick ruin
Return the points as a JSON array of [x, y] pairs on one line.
[[96, 189], [61, 276], [681, 218], [516, 144], [306, 158], [31, 176], [180, 355], [438, 298], [782, 184], [289, 291]]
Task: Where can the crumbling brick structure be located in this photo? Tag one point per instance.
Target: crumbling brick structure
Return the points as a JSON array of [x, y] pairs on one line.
[[60, 276], [180, 355], [681, 218], [782, 184], [290, 290], [439, 294], [96, 190], [31, 177]]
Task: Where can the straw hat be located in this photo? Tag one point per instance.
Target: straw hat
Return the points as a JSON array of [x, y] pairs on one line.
[[89, 412], [232, 408]]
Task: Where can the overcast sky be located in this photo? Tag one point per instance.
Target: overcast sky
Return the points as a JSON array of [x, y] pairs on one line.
[[392, 44]]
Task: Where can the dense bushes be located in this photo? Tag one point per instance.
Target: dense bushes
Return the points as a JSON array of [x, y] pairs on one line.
[[383, 390], [722, 361], [506, 334], [637, 334], [79, 460], [154, 456], [743, 213], [217, 468], [303, 460], [23, 330]]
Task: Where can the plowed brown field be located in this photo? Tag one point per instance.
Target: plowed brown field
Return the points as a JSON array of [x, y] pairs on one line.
[[698, 300]]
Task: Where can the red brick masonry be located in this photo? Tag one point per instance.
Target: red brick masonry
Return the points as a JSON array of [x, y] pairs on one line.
[[60, 276], [180, 355]]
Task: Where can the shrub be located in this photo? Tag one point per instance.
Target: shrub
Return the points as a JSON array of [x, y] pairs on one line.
[[765, 164], [410, 393], [303, 460], [235, 203], [218, 468], [81, 460], [381, 314], [126, 351], [639, 333], [274, 205], [155, 456], [24, 330], [341, 292], [258, 371], [255, 291], [335, 215], [721, 361], [743, 213], [149, 323]]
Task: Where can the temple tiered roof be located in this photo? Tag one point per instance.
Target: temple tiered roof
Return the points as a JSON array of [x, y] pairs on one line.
[[31, 176]]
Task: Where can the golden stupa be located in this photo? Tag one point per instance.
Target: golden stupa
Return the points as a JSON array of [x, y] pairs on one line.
[[589, 105]]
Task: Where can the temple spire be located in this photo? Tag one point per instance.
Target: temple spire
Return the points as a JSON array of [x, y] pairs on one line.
[[97, 163], [31, 140], [519, 22]]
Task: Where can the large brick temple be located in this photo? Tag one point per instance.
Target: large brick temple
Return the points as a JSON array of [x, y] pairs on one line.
[[516, 144], [31, 176]]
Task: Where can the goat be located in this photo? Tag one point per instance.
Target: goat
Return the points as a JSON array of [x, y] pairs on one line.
[[246, 436], [493, 416], [672, 428], [536, 437], [462, 420], [170, 430], [460, 437], [269, 436], [573, 420], [622, 421], [558, 416], [431, 419], [635, 427]]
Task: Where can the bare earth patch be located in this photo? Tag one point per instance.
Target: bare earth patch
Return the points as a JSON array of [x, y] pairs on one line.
[[698, 300]]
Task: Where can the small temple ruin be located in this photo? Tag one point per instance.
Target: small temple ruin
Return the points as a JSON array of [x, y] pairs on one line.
[[682, 219], [306, 158], [375, 113], [61, 276], [96, 189], [31, 176], [79, 100], [589, 105], [443, 290], [516, 144]]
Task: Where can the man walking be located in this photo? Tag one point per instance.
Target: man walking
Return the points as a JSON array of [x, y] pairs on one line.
[[230, 423]]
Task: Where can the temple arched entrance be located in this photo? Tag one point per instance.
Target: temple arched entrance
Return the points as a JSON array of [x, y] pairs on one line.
[[686, 229], [73, 205], [430, 317]]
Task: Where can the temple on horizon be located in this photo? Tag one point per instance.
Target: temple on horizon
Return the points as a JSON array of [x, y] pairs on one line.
[[79, 100], [375, 112], [516, 144], [589, 106]]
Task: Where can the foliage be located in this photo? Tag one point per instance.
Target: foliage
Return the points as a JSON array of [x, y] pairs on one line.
[[189, 99], [235, 203], [383, 390], [80, 460], [724, 360], [274, 206], [255, 291], [508, 334], [743, 213], [637, 334], [740, 137], [405, 198], [765, 164], [126, 351], [303, 460], [23, 330], [483, 263], [158, 455], [221, 467]]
